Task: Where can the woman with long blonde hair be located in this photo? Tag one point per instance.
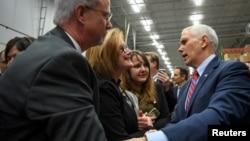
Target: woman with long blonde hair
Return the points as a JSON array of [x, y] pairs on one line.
[[118, 112]]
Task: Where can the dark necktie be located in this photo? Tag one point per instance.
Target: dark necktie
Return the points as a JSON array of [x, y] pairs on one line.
[[191, 88]]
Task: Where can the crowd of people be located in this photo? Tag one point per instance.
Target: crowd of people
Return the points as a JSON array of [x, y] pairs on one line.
[[114, 93]]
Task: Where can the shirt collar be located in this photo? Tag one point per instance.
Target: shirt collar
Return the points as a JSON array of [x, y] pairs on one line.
[[204, 64], [75, 43]]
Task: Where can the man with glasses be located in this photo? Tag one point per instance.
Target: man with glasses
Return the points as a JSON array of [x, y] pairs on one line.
[[56, 98]]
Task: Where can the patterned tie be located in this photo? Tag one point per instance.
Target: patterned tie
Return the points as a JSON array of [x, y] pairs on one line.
[[191, 88]]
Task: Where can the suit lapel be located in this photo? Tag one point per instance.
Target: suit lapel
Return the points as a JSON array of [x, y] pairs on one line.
[[210, 68], [59, 32]]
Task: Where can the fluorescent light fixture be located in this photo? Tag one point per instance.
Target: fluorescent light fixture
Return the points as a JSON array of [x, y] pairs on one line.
[[160, 46], [155, 36], [196, 22], [196, 17], [136, 8], [169, 66], [167, 63], [165, 58], [135, 1], [159, 50], [155, 43], [147, 27], [146, 22], [163, 53], [198, 2]]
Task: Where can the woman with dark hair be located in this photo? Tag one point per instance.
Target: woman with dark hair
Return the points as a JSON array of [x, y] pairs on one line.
[[16, 45], [150, 95]]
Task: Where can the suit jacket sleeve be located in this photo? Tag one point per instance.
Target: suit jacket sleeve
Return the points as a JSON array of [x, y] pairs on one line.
[[222, 98], [61, 98]]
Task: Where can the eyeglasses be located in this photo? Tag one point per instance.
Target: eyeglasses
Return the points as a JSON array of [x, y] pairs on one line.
[[124, 47], [107, 15]]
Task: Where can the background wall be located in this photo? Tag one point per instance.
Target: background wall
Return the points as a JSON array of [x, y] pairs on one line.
[[24, 16]]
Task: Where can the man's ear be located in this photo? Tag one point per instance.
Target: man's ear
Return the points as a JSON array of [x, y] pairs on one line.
[[154, 64], [204, 41], [80, 12]]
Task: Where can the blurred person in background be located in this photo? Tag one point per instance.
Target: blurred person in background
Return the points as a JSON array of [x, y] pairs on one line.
[[16, 45], [3, 63], [160, 76], [180, 76]]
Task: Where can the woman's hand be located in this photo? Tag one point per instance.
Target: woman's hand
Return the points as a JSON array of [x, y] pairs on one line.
[[144, 121], [164, 79]]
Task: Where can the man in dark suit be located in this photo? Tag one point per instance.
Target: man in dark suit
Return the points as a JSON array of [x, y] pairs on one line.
[[180, 76], [221, 95], [50, 92]]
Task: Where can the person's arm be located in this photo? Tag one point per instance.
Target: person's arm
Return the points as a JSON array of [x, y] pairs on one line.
[[219, 100], [154, 136], [61, 99]]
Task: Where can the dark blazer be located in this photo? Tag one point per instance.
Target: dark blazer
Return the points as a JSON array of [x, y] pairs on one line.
[[48, 94], [163, 107], [221, 96], [118, 118], [170, 98], [175, 91]]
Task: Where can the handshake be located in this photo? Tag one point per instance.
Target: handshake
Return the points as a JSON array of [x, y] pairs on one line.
[[141, 138]]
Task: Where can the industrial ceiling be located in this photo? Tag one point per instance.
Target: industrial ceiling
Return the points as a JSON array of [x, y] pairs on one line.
[[167, 18]]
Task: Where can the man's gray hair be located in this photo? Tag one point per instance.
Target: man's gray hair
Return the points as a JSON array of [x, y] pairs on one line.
[[65, 8], [201, 29]]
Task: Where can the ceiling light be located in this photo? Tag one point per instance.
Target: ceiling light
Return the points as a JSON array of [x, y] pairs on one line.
[[165, 58], [146, 22], [155, 36], [135, 1], [147, 28], [196, 17], [167, 63], [196, 22], [160, 46], [136, 8], [155, 43], [198, 2], [163, 53]]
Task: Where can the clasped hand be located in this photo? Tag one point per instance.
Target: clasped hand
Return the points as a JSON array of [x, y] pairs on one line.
[[144, 120]]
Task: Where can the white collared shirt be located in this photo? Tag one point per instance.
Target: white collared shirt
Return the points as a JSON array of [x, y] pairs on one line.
[[78, 48]]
